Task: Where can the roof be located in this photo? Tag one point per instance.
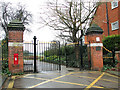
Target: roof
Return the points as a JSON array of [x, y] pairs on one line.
[[94, 28], [16, 24]]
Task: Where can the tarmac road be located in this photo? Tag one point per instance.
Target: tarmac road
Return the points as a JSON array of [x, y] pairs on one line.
[[65, 79]]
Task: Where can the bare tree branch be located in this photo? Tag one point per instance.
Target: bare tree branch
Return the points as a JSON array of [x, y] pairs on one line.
[[9, 13], [68, 17]]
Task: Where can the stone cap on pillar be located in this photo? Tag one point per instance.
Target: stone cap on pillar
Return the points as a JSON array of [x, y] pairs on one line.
[[16, 25], [94, 29]]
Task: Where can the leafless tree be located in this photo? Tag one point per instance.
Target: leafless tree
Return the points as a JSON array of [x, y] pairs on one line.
[[71, 17], [9, 13]]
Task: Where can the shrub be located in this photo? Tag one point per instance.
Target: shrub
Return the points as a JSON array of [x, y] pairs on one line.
[[112, 42]]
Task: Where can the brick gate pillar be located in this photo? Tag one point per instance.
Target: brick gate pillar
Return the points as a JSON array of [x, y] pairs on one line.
[[94, 37], [117, 54], [15, 46]]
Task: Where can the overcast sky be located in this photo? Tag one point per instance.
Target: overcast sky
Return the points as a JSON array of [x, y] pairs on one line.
[[34, 6]]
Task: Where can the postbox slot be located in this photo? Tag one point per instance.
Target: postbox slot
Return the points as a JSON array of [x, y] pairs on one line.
[[16, 58]]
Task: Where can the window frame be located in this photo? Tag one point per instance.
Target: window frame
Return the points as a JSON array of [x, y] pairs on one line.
[[113, 27], [112, 3]]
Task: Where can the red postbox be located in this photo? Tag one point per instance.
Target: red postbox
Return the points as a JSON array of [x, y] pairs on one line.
[[16, 58]]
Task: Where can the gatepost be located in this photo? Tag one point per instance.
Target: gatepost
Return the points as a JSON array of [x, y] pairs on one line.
[[117, 54], [94, 37], [15, 46]]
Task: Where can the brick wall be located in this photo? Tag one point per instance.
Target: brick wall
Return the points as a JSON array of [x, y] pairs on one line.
[[15, 36], [92, 38], [96, 59], [118, 58]]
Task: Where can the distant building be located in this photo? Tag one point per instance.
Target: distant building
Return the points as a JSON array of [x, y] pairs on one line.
[[107, 17]]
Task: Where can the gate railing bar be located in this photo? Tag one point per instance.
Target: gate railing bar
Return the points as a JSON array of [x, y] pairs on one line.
[[66, 55], [35, 54], [81, 55], [54, 57], [50, 60], [89, 56], [37, 62], [59, 58], [39, 55], [44, 56], [57, 50]]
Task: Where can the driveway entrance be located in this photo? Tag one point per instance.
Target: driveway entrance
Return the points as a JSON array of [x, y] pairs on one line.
[[66, 79]]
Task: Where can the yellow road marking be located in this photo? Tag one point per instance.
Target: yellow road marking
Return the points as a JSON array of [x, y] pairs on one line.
[[54, 79], [40, 83], [94, 82], [50, 80], [38, 78], [88, 72], [109, 80], [10, 85], [65, 82], [112, 75], [95, 78], [76, 84]]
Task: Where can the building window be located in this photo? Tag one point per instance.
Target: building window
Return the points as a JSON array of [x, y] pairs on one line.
[[115, 25], [114, 4]]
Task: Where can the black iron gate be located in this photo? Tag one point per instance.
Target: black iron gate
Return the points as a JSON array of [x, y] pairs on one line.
[[41, 56], [77, 56]]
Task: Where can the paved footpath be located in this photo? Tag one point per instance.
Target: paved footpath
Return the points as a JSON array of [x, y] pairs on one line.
[[64, 79]]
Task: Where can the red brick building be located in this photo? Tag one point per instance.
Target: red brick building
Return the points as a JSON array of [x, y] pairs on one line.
[[107, 17], [108, 14]]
